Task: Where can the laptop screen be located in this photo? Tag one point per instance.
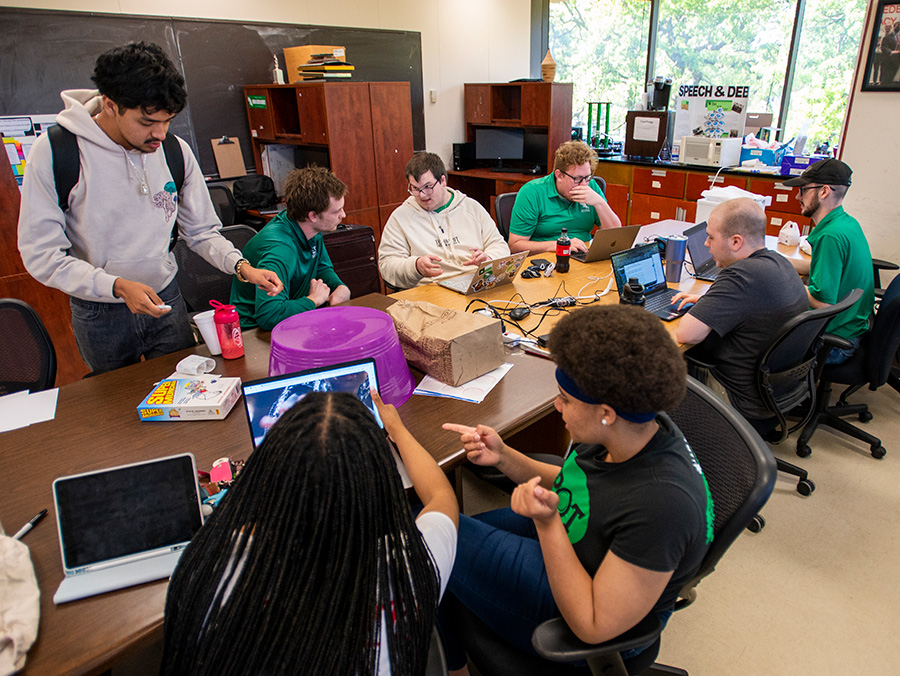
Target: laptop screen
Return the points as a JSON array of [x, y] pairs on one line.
[[127, 510], [643, 262], [266, 400], [696, 245]]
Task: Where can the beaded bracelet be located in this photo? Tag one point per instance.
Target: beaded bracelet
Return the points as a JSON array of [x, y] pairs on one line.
[[237, 269]]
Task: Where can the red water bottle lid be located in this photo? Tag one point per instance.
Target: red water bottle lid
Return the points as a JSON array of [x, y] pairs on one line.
[[224, 313]]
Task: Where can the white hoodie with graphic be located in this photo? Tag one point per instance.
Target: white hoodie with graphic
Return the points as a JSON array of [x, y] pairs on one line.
[[412, 231], [111, 228]]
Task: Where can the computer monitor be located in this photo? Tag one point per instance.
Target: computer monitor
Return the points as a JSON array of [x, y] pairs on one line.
[[535, 150], [498, 145]]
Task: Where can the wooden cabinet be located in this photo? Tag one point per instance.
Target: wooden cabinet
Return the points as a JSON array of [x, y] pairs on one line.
[[659, 182], [650, 208], [776, 219], [362, 131]]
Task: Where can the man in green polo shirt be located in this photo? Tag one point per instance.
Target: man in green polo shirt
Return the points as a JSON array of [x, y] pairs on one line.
[[841, 260], [567, 198]]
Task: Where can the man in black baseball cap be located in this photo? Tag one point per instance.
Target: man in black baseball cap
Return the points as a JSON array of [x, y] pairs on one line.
[[841, 260]]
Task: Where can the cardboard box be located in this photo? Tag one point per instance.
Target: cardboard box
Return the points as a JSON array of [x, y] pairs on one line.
[[297, 56], [200, 398], [794, 165], [767, 156], [450, 345]]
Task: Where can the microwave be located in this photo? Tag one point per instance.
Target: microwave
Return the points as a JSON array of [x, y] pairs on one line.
[[713, 152]]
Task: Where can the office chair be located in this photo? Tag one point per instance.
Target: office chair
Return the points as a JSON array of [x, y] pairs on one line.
[[740, 472], [870, 365], [786, 380], [503, 207], [27, 360], [199, 281], [223, 201], [877, 266]]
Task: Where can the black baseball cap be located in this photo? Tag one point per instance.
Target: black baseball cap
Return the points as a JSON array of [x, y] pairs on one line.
[[825, 172]]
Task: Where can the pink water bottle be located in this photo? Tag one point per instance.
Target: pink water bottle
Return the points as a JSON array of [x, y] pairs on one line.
[[228, 328]]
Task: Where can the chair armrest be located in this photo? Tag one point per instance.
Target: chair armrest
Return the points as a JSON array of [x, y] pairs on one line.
[[554, 641], [879, 264], [697, 356], [829, 340]]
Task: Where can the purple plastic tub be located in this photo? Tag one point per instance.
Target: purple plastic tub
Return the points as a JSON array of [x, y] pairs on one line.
[[332, 335]]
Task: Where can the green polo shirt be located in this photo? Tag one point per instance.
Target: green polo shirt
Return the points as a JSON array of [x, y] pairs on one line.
[[540, 212], [282, 248], [841, 261]]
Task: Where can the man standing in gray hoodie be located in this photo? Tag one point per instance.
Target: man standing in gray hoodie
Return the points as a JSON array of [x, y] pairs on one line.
[[109, 250]]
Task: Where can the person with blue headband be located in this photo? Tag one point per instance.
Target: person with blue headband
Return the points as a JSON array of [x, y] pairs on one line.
[[617, 530]]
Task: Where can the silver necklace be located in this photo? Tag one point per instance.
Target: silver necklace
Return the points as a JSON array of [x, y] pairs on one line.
[[141, 176]]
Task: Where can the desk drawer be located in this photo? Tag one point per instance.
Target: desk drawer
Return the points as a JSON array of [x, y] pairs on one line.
[[649, 209], [784, 199], [662, 182], [503, 186], [697, 183]]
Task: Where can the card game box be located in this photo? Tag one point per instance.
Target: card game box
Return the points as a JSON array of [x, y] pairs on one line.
[[200, 398]]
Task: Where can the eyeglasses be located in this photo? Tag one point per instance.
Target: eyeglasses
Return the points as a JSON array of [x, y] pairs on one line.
[[808, 187], [578, 180], [427, 188]]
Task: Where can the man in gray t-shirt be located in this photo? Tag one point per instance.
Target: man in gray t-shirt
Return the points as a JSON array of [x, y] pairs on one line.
[[740, 315]]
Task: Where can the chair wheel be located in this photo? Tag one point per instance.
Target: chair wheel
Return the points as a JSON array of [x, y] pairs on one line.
[[805, 487], [757, 523], [865, 416], [878, 452], [803, 450]]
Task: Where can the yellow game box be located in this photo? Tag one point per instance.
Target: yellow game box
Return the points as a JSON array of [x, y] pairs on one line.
[[200, 398]]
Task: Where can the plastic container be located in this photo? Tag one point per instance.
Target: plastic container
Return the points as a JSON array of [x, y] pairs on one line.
[[228, 330], [563, 248], [334, 335]]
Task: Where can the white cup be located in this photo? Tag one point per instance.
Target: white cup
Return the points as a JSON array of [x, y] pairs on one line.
[[207, 326]]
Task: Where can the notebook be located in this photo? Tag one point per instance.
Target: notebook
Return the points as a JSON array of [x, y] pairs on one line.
[[493, 273], [125, 525], [645, 263], [606, 243], [267, 399], [705, 267]]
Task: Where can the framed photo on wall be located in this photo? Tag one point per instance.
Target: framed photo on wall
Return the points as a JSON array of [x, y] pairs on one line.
[[883, 66]]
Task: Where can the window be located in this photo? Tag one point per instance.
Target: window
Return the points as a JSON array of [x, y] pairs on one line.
[[602, 47]]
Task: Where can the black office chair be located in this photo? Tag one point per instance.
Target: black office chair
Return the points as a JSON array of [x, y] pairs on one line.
[[601, 182], [740, 471], [503, 207], [27, 360], [223, 201], [870, 365], [878, 266], [199, 281], [786, 380]]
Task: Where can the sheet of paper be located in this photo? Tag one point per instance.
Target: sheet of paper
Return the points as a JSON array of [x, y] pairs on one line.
[[43, 405], [21, 409], [475, 390], [646, 129]]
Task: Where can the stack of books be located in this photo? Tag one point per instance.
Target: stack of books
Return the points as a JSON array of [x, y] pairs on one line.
[[323, 67]]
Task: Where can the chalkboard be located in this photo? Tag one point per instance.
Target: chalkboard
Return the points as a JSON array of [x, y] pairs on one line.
[[45, 52]]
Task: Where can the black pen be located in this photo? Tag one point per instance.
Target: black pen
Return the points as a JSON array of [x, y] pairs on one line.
[[31, 524]]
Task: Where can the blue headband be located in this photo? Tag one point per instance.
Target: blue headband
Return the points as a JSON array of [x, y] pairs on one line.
[[569, 385]]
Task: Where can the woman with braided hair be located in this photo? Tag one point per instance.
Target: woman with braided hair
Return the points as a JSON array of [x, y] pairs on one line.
[[313, 563]]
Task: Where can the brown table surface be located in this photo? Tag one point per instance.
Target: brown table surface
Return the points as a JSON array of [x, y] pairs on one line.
[[97, 426]]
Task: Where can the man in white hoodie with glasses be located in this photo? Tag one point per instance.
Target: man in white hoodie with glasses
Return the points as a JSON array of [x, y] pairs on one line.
[[437, 232]]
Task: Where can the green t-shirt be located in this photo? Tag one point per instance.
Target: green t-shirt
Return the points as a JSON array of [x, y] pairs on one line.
[[841, 261], [540, 212], [282, 248]]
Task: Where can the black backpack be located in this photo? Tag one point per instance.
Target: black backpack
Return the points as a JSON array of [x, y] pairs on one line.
[[254, 192], [67, 166]]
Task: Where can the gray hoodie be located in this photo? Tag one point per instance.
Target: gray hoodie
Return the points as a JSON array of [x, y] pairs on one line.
[[111, 230]]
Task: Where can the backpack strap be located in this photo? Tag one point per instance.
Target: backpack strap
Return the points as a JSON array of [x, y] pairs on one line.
[[66, 163], [175, 162]]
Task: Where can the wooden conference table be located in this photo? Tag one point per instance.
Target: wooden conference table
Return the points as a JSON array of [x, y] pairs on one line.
[[97, 426]]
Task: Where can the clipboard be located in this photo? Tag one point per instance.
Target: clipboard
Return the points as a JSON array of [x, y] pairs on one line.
[[229, 160]]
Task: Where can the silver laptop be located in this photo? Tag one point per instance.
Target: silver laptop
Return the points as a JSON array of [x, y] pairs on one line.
[[606, 243], [704, 264], [267, 399], [493, 273], [125, 525]]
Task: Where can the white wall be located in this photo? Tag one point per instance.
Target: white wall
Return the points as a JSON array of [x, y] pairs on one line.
[[461, 41], [872, 149]]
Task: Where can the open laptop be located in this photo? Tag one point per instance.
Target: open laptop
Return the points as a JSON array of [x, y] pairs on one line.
[[493, 273], [267, 399], [645, 263], [125, 525], [606, 243], [705, 267]]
